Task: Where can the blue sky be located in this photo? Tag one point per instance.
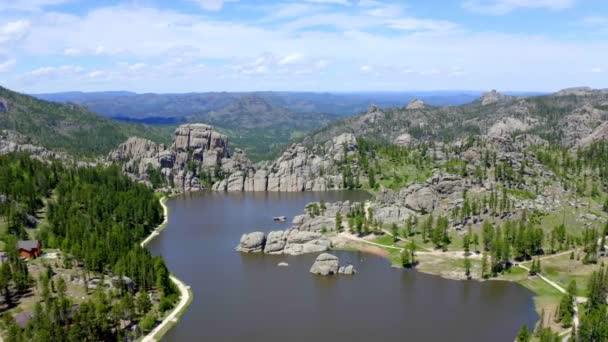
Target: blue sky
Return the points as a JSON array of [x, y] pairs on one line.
[[309, 45]]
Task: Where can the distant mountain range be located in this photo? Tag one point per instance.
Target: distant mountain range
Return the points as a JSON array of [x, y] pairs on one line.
[[259, 122], [129, 105]]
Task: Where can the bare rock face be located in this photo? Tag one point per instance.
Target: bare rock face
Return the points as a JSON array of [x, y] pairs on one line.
[[509, 125], [325, 264], [198, 153], [419, 198], [493, 97], [252, 243], [11, 141], [598, 134], [404, 139], [580, 124], [299, 168], [416, 104], [197, 150]]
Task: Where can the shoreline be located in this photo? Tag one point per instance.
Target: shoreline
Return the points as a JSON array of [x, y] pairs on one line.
[[186, 294], [365, 246]]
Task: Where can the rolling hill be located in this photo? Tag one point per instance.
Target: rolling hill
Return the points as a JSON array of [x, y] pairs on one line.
[[69, 127]]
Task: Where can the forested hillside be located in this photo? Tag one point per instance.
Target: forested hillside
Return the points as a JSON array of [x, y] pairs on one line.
[[94, 218], [561, 118], [68, 127]]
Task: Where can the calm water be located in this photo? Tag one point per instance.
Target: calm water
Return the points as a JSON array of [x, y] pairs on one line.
[[249, 297]]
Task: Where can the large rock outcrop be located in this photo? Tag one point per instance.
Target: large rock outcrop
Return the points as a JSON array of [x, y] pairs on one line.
[[325, 264], [299, 168], [11, 141], [416, 104], [492, 97], [252, 243], [199, 157], [580, 123], [290, 242], [197, 154], [598, 134], [419, 198]]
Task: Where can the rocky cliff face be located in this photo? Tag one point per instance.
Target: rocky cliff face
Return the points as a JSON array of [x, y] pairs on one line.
[[198, 153], [11, 141], [492, 97], [199, 158], [299, 168]]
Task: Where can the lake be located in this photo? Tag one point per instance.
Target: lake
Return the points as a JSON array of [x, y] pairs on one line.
[[248, 297]]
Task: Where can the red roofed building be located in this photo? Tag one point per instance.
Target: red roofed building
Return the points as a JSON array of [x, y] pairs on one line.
[[29, 249]]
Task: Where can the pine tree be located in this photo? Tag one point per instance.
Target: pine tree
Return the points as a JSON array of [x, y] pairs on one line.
[[467, 266], [523, 335]]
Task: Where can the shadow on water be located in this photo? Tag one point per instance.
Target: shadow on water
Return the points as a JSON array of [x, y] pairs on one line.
[[240, 296]]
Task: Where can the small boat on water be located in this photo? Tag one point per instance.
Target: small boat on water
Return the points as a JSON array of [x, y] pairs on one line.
[[280, 218]]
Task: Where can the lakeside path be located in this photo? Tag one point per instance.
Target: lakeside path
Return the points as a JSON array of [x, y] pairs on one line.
[[185, 293]]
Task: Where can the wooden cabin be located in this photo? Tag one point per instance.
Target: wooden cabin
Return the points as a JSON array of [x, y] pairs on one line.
[[29, 249]]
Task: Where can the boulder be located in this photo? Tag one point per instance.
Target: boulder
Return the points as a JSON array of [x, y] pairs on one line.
[[347, 270], [419, 198], [252, 243], [275, 242], [404, 139], [325, 264], [303, 242]]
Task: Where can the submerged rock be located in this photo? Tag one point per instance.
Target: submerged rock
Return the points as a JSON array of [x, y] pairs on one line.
[[252, 243], [348, 270], [325, 264]]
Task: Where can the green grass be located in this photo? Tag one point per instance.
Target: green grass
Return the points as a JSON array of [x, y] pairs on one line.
[[562, 270], [386, 240], [521, 194]]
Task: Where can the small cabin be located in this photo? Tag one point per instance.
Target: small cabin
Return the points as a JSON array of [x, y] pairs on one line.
[[29, 249]]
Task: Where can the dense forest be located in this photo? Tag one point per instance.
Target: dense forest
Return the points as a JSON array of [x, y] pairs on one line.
[[96, 216]]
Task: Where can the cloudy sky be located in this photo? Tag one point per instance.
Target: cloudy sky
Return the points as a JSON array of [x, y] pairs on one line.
[[313, 45]]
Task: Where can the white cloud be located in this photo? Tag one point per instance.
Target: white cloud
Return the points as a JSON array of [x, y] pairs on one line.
[[71, 52], [365, 68], [96, 73], [291, 59], [269, 54], [430, 72], [53, 71], [137, 66], [29, 5], [414, 24], [7, 65], [14, 31], [333, 2], [597, 70], [212, 5], [499, 7]]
